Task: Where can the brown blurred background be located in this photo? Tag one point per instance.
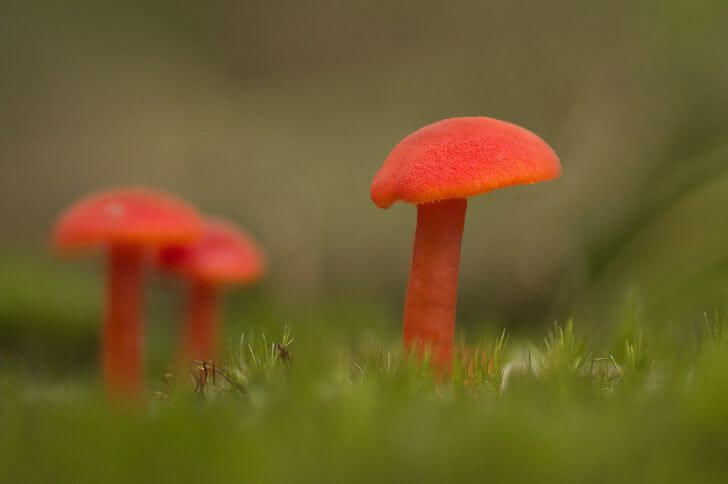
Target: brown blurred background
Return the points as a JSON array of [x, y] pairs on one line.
[[277, 114]]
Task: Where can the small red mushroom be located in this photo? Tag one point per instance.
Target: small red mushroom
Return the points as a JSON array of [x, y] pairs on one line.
[[224, 255], [437, 168], [128, 221]]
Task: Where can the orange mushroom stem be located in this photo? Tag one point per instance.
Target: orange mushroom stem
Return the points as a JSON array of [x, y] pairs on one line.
[[201, 328], [122, 333], [429, 308]]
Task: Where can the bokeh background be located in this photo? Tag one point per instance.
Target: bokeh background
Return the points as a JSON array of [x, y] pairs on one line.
[[277, 115]]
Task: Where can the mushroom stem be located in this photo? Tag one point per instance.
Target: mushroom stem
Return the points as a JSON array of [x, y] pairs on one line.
[[429, 308], [200, 331], [122, 339]]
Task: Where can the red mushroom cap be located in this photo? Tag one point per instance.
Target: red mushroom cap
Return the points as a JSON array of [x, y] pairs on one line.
[[224, 255], [462, 157], [130, 216]]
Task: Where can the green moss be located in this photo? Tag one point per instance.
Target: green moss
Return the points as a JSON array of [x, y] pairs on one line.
[[277, 411]]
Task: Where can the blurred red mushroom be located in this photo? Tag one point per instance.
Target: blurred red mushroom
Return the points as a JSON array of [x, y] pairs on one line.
[[437, 167], [224, 255], [127, 221]]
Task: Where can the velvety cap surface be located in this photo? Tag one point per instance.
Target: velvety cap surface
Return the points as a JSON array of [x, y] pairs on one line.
[[224, 255], [133, 216], [462, 157]]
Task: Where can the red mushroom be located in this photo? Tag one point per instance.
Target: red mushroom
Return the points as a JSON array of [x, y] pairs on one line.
[[128, 221], [225, 255], [437, 167]]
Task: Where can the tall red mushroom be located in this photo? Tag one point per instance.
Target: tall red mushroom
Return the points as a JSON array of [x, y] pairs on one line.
[[437, 168], [128, 221], [224, 255]]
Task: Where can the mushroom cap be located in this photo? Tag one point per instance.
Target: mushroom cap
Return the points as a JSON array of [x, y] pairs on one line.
[[128, 216], [462, 157], [225, 254]]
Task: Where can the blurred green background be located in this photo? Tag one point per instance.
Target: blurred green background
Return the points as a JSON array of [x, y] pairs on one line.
[[277, 114]]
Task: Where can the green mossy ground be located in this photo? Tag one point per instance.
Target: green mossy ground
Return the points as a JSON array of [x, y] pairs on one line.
[[305, 405]]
